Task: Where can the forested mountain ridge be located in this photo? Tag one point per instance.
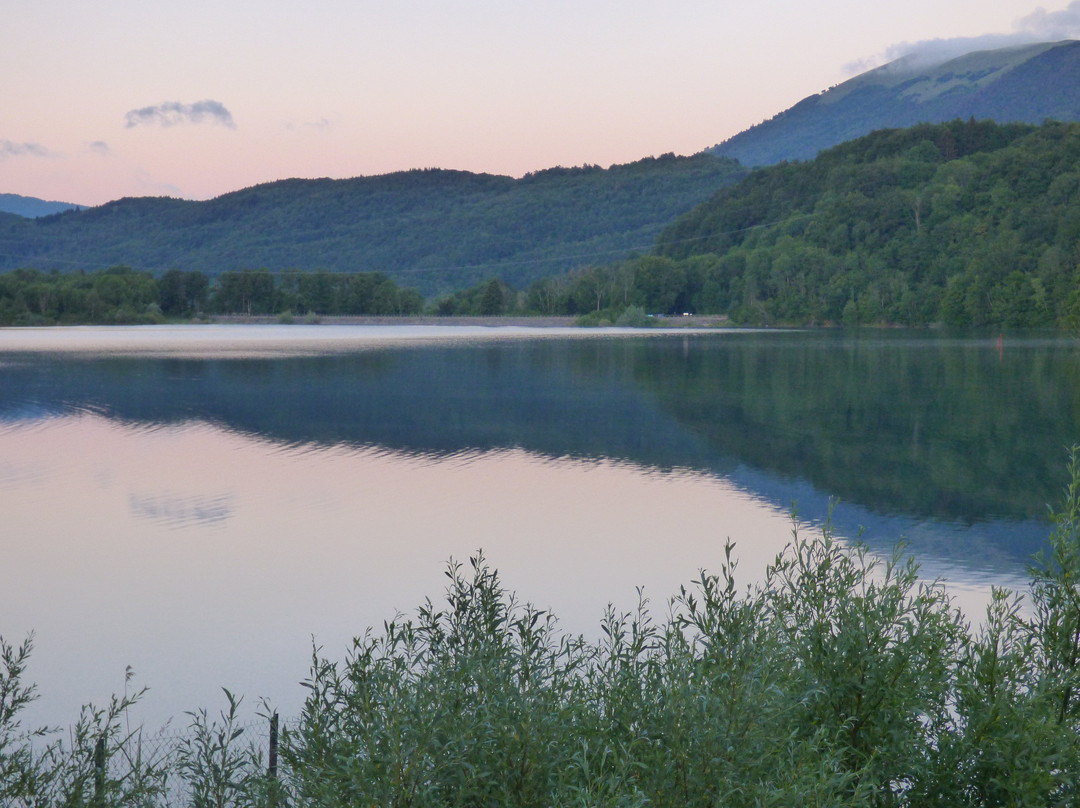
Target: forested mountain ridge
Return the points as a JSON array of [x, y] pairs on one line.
[[1025, 84], [435, 230], [965, 223]]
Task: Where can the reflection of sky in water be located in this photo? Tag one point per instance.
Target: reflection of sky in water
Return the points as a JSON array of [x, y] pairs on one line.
[[316, 542], [203, 558], [18, 475]]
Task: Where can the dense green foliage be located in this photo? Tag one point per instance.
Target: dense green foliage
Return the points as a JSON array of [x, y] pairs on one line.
[[122, 295], [839, 679], [654, 284], [1027, 84], [435, 230], [115, 295], [965, 224], [769, 696], [490, 297]]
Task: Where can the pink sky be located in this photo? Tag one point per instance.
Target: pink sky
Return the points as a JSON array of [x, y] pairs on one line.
[[128, 98]]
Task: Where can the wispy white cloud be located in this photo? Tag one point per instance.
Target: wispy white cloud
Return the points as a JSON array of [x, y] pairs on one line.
[[936, 51], [1047, 26], [1039, 26], [9, 148], [151, 186], [861, 65], [172, 113], [321, 125]]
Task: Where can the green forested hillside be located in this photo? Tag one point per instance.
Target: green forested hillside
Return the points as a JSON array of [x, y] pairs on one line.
[[964, 223], [434, 230], [967, 223]]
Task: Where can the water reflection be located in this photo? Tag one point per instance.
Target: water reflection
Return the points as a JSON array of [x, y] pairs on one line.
[[318, 543], [902, 424], [201, 518], [181, 511], [18, 475]]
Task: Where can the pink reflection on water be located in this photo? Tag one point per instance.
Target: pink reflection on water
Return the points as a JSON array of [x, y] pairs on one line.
[[203, 558], [111, 560]]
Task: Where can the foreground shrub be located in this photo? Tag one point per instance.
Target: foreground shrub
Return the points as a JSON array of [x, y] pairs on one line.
[[474, 704], [821, 681]]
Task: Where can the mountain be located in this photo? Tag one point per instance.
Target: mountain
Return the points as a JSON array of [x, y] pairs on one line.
[[434, 230], [31, 207], [1025, 84], [966, 223]]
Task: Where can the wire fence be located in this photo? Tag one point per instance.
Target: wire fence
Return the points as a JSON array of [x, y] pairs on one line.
[[255, 747], [168, 768]]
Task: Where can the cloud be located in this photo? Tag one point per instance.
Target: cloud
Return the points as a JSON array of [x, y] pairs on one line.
[[100, 147], [172, 113], [1047, 26], [322, 125], [153, 187], [1039, 26], [936, 51], [9, 148]]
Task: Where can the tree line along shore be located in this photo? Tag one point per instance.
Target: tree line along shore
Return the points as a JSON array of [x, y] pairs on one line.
[[963, 224]]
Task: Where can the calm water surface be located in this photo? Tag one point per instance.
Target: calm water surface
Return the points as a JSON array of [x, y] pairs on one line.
[[203, 503]]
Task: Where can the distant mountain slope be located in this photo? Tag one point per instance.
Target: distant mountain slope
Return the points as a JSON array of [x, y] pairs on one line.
[[966, 223], [31, 207], [1026, 84], [434, 230]]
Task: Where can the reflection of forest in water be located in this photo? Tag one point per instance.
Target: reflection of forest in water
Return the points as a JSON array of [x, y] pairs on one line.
[[901, 423], [906, 423]]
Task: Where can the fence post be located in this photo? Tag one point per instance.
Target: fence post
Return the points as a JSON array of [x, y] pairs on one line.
[[272, 768], [99, 773]]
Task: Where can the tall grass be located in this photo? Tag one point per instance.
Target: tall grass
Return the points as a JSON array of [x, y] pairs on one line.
[[838, 679]]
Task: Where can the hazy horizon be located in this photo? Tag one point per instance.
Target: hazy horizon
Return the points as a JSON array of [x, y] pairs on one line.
[[122, 99]]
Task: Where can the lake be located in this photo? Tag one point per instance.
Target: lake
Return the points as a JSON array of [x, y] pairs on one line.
[[203, 503]]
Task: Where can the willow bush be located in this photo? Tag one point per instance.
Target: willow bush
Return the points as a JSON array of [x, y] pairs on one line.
[[840, 678], [820, 685]]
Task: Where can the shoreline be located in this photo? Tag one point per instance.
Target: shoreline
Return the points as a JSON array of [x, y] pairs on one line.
[[249, 337], [523, 321]]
